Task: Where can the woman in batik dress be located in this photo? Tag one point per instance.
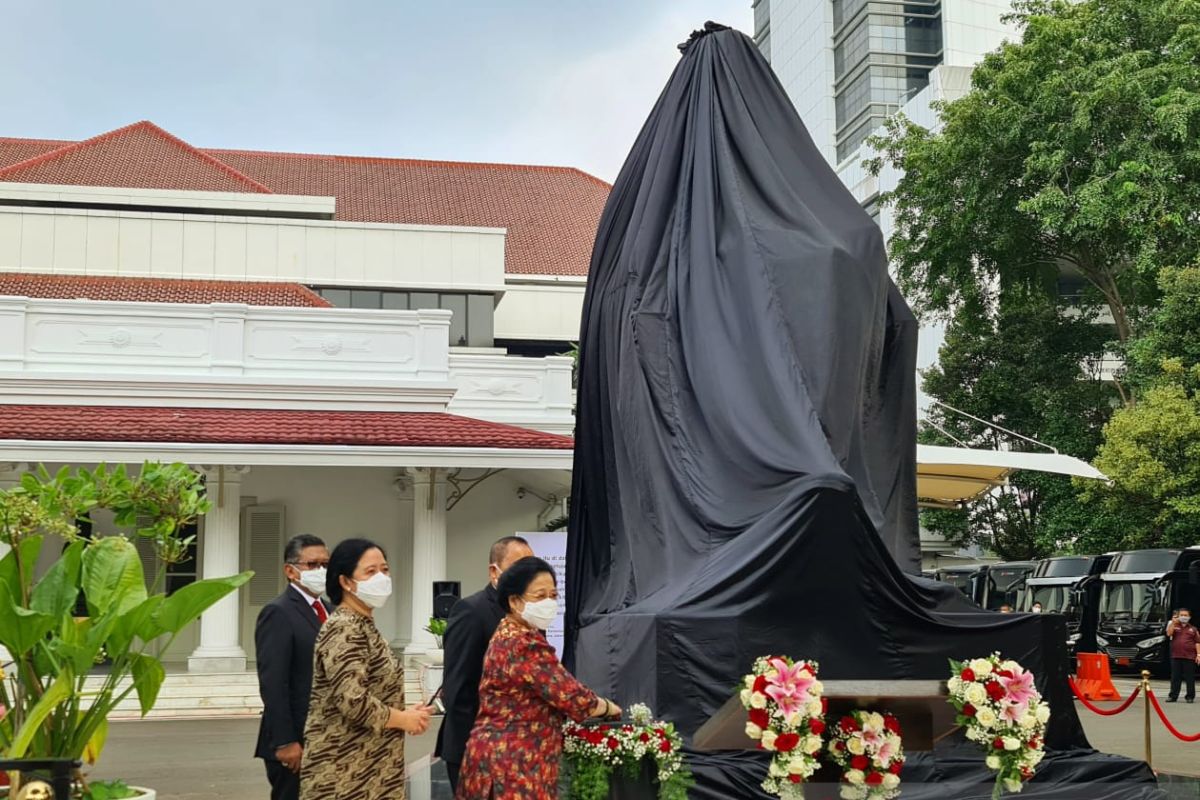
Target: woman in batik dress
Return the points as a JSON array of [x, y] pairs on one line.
[[525, 696], [354, 736]]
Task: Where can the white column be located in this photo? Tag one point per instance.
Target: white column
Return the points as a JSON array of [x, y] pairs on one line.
[[220, 647], [428, 552]]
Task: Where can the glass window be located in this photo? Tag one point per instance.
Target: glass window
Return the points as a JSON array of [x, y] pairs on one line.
[[364, 298], [394, 300], [419, 300], [339, 297], [480, 312], [457, 303]]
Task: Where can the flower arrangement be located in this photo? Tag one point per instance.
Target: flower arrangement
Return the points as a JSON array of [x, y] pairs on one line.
[[1003, 713], [866, 745], [592, 753], [786, 715]]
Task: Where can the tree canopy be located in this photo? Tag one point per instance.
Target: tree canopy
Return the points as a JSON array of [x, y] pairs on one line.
[[1077, 150]]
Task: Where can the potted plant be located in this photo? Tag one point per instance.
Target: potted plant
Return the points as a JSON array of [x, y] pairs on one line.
[[48, 715], [437, 627]]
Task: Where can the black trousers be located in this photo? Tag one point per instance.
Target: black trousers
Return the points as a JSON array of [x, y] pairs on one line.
[[285, 784], [1183, 670], [452, 772]]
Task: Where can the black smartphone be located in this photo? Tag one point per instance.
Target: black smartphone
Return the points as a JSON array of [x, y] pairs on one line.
[[436, 702]]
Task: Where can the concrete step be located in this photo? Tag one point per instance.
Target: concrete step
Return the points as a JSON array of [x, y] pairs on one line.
[[192, 695]]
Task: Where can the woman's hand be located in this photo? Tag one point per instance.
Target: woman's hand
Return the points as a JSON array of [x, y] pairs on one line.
[[606, 709], [413, 721]]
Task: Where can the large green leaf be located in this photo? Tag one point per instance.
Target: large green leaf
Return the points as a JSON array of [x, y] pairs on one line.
[[29, 550], [148, 676], [20, 628], [59, 691], [187, 604], [112, 576], [141, 622], [57, 591], [95, 745]]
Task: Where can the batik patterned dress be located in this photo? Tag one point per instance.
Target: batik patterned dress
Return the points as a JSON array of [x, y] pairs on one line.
[[524, 698], [348, 752]]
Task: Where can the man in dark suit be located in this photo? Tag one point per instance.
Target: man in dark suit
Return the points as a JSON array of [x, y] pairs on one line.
[[284, 637], [472, 622]]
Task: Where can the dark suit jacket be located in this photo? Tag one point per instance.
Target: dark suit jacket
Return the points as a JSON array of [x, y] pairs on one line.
[[284, 637], [472, 622]]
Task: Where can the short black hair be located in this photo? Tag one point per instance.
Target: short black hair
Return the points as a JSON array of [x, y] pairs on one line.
[[500, 547], [291, 551], [515, 580], [343, 561]]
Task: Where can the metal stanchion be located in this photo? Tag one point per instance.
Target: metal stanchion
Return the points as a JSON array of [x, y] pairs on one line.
[[1146, 705]]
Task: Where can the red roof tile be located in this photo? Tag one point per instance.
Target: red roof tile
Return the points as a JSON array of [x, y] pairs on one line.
[[551, 213], [158, 290], [138, 156], [265, 426]]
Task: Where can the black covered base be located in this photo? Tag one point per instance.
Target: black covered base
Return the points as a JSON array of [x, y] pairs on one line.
[[954, 771]]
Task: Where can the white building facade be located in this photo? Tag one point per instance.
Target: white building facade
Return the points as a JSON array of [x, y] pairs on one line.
[[342, 346]]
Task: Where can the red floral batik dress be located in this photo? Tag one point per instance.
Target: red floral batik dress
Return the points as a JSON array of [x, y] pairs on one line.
[[524, 698]]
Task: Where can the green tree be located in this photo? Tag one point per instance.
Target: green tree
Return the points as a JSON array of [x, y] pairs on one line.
[[1151, 451], [1031, 369], [1077, 149]]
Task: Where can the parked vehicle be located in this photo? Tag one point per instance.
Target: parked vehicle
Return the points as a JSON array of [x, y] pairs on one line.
[[1068, 585], [961, 578], [989, 585], [1139, 590], [999, 584]]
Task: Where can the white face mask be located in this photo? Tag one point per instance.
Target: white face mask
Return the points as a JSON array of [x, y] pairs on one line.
[[1185, 619], [313, 580], [541, 613], [375, 590]]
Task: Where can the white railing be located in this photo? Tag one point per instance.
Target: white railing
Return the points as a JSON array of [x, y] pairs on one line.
[[104, 339], [531, 392]]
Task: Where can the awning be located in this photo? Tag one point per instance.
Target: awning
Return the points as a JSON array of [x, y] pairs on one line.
[[947, 477]]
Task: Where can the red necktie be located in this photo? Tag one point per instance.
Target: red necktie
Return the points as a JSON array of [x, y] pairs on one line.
[[320, 609]]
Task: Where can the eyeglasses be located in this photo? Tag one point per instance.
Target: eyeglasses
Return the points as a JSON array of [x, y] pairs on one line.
[[310, 564]]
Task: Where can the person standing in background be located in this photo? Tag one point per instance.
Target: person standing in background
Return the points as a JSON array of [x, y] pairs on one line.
[[284, 637], [472, 622], [1185, 654]]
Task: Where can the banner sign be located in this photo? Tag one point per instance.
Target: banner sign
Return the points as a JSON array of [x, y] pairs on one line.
[[552, 547]]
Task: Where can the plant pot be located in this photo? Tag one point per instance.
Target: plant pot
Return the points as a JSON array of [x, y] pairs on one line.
[[143, 793], [435, 657]]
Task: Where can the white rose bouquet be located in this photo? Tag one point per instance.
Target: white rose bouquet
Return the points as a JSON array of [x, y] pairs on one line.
[[867, 746], [786, 715], [1003, 713]]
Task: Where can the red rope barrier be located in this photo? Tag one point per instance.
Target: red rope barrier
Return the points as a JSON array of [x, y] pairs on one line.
[[1174, 731], [1102, 712]]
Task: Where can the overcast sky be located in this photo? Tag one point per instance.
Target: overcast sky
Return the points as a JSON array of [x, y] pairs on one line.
[[525, 81]]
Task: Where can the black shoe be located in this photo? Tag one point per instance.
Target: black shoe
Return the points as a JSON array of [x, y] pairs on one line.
[[1191, 699], [1171, 699]]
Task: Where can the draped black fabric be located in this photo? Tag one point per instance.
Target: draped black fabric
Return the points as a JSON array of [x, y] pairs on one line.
[[744, 478]]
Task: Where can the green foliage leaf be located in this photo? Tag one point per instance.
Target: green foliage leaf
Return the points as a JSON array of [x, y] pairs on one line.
[[140, 622], [20, 628], [186, 605], [148, 676], [59, 691], [10, 577], [58, 590], [112, 576]]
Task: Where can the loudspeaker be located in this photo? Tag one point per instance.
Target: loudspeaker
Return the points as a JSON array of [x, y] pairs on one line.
[[445, 595]]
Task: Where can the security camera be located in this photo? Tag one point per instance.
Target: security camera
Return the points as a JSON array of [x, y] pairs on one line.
[[521, 493]]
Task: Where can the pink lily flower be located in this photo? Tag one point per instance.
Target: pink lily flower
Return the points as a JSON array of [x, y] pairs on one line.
[[1019, 687]]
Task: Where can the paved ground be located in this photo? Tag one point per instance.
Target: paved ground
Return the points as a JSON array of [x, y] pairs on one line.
[[210, 759]]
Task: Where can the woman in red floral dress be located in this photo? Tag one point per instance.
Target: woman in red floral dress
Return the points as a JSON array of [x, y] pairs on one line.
[[525, 696]]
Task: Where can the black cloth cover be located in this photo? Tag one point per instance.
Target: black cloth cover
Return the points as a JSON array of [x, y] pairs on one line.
[[744, 478]]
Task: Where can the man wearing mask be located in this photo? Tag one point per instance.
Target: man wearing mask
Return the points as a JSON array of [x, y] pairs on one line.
[[1185, 654], [284, 637], [472, 622]]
